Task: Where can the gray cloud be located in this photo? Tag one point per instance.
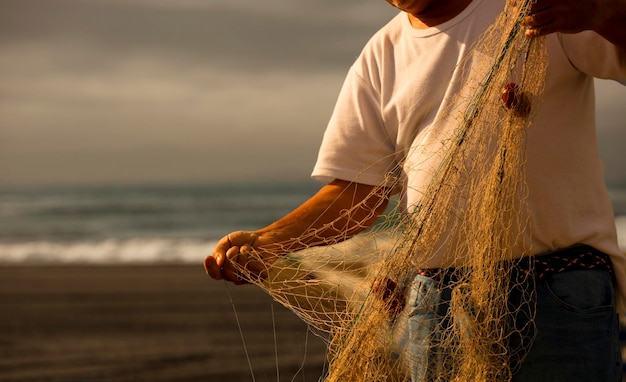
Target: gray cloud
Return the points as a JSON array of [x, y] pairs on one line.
[[134, 90], [248, 35], [187, 90]]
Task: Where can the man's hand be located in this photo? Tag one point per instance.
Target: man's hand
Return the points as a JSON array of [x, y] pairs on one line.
[[236, 254], [549, 16], [606, 17]]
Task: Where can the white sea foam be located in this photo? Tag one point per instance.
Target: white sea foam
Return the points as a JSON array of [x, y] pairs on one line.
[[112, 251], [136, 250]]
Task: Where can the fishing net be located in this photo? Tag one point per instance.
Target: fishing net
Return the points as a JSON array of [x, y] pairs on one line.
[[365, 294]]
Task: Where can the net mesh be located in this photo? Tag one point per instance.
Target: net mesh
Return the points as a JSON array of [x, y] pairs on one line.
[[471, 221]]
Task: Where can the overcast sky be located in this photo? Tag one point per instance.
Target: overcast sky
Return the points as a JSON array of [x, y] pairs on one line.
[[118, 91]]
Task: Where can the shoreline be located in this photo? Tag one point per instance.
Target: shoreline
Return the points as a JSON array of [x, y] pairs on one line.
[[146, 323]]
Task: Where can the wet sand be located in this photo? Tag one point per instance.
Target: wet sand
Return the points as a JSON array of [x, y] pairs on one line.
[[146, 323]]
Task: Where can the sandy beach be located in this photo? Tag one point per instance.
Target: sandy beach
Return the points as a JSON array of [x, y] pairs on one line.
[[146, 323]]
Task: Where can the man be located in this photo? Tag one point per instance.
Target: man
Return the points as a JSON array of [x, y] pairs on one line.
[[388, 97]]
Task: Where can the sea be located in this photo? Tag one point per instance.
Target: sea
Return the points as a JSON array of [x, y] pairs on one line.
[[135, 224], [148, 224]]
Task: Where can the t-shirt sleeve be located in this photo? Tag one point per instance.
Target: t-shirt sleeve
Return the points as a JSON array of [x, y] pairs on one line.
[[592, 54], [356, 146]]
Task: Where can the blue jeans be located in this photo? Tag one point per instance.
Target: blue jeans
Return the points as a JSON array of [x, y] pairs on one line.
[[575, 337]]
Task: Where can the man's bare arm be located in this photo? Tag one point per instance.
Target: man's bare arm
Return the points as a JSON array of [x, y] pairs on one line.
[[337, 211]]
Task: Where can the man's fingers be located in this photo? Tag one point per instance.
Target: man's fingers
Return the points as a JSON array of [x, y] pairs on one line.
[[235, 259], [230, 273], [214, 262], [221, 248], [256, 263], [539, 26], [235, 263], [550, 16], [540, 18], [240, 238], [212, 268]]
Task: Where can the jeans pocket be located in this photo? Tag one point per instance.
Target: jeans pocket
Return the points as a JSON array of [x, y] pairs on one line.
[[576, 330], [582, 291]]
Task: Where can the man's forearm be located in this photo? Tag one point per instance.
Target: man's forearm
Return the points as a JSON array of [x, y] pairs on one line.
[[339, 210]]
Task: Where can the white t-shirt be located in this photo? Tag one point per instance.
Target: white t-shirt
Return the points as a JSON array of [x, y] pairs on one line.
[[404, 78]]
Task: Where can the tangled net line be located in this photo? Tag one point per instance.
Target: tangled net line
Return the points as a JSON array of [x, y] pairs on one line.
[[472, 218]]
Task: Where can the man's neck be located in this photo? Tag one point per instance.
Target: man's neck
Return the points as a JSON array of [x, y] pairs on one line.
[[437, 12]]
